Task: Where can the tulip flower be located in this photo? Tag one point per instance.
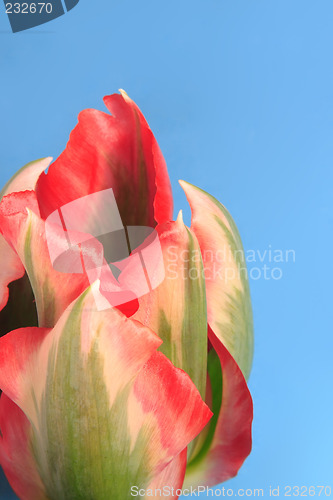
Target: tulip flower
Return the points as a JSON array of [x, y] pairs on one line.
[[120, 372]]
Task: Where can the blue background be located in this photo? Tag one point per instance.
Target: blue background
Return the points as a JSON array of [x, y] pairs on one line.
[[239, 94]]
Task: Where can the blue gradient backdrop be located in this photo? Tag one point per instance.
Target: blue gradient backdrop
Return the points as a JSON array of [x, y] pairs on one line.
[[239, 94]]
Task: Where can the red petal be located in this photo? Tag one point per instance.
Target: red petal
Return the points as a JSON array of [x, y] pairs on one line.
[[177, 395], [232, 441], [17, 355], [118, 152], [16, 456]]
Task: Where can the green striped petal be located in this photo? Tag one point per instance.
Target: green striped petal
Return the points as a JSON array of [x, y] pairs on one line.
[[106, 410], [176, 309], [228, 295], [12, 267]]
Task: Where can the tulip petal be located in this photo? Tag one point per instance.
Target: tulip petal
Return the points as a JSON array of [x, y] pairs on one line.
[[107, 410], [228, 440], [16, 456], [11, 270], [228, 295], [12, 267], [25, 232], [176, 309], [118, 152], [170, 479], [26, 178]]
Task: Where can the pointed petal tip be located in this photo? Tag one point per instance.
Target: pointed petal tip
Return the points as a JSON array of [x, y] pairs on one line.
[[124, 93], [47, 160], [26, 178], [180, 217], [192, 188], [185, 184], [189, 190], [44, 162]]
